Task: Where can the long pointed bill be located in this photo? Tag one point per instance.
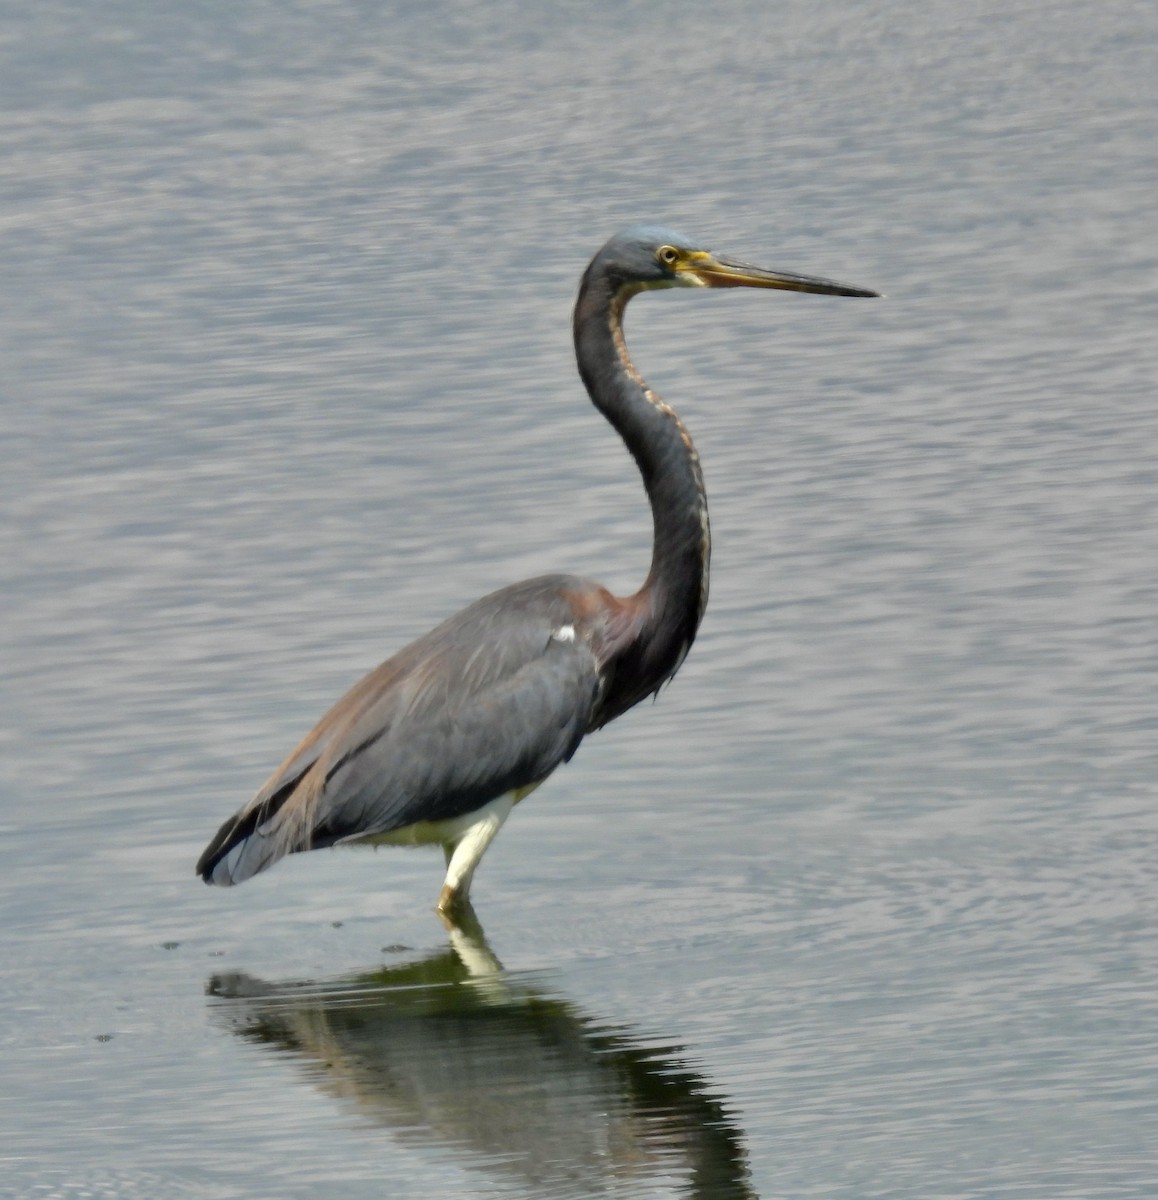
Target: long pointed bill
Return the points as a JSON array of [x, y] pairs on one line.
[[710, 270]]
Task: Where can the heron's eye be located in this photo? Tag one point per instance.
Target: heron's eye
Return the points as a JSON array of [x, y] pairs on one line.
[[668, 255]]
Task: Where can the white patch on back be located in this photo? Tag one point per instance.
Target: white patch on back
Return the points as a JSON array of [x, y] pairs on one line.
[[565, 633]]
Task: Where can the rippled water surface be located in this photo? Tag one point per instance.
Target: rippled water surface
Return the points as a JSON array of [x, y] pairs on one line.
[[865, 905]]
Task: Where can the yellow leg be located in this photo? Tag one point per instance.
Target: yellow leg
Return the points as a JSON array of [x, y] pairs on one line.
[[463, 855]]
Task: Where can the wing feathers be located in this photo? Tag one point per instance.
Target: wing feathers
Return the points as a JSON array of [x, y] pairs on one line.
[[487, 702]]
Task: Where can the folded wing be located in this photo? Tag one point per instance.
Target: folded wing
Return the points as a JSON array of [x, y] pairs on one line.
[[488, 702]]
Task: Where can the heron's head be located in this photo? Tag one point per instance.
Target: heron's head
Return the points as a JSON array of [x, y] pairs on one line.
[[648, 256]]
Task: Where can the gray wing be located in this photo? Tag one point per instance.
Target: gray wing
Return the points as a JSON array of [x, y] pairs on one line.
[[492, 700]]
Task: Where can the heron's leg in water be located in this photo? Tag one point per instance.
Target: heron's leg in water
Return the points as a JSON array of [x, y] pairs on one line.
[[463, 855]]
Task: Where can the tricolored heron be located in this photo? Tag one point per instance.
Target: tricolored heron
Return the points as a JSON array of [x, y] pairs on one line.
[[440, 742]]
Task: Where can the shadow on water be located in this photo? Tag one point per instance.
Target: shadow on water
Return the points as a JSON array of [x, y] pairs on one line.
[[452, 1051]]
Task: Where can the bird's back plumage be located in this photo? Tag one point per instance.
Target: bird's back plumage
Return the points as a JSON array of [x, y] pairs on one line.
[[415, 740]]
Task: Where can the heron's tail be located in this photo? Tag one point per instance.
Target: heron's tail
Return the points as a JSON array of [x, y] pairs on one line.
[[268, 828], [234, 854]]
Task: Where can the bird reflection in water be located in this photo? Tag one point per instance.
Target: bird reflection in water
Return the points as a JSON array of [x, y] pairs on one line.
[[451, 1051]]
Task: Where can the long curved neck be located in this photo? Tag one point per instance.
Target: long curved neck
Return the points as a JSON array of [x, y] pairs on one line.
[[671, 602]]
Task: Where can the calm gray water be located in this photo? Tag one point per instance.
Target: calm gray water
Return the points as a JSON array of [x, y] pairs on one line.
[[865, 905]]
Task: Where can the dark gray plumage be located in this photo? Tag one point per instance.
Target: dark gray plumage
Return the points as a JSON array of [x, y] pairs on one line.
[[415, 740]]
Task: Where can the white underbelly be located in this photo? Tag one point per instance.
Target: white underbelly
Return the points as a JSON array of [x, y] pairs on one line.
[[443, 833]]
